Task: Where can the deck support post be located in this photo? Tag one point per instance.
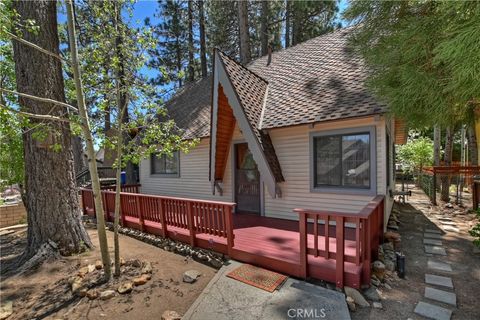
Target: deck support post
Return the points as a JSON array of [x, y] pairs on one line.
[[367, 253], [162, 218], [229, 223], [303, 246], [140, 214], [339, 235], [191, 225]]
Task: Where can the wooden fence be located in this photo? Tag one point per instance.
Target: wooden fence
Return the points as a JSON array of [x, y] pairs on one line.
[[368, 236], [168, 216]]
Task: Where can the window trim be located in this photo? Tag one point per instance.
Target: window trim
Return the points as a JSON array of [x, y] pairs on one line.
[[373, 161], [165, 175]]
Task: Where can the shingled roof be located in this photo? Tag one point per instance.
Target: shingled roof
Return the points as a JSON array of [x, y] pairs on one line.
[[318, 80]]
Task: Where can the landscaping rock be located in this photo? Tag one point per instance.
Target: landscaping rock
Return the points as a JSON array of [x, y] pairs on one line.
[[379, 269], [372, 294], [392, 236], [171, 315], [389, 265], [77, 284], [134, 263], [141, 280], [6, 309], [82, 292], [356, 296], [351, 304], [375, 282], [190, 276], [377, 305], [98, 265], [126, 287], [122, 261], [107, 294], [91, 268], [216, 263], [147, 268], [92, 294], [83, 271]]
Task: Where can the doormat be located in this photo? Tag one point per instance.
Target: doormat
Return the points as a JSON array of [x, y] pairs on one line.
[[258, 277]]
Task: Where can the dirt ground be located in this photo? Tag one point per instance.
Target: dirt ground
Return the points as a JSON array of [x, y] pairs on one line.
[[45, 293], [416, 215]]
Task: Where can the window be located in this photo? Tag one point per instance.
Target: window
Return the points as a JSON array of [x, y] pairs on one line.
[[343, 159], [165, 164]]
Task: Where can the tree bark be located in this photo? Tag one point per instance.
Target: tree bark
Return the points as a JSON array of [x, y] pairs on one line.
[[77, 148], [445, 195], [264, 28], [203, 50], [85, 124], [245, 54], [472, 145], [191, 61], [51, 199], [288, 12]]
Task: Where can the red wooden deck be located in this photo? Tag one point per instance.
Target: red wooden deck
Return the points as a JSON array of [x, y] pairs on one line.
[[303, 248]]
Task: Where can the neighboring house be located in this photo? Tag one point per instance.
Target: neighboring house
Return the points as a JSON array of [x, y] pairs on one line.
[[297, 129]]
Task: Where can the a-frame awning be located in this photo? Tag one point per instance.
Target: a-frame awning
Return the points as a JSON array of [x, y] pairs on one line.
[[239, 97]]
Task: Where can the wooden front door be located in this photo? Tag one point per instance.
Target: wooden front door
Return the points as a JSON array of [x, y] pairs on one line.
[[247, 181]]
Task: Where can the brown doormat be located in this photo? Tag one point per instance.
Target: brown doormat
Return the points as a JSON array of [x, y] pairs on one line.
[[258, 277]]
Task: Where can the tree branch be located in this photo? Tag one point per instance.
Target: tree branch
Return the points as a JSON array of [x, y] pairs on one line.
[[32, 45], [47, 100], [34, 115]]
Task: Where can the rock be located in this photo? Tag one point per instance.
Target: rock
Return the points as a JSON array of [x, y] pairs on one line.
[[171, 315], [387, 286], [356, 296], [147, 268], [134, 263], [122, 261], [6, 309], [351, 304], [448, 205], [387, 246], [83, 271], [77, 284], [126, 287], [392, 236], [379, 269], [141, 280], [82, 292], [98, 265], [107, 294], [372, 294], [374, 281], [216, 263], [377, 305], [92, 294], [389, 265], [91, 268], [190, 276]]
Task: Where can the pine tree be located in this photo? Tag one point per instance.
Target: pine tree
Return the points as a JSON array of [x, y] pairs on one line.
[[222, 27]]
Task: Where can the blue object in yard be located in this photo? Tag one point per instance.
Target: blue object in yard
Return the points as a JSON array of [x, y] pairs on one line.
[[123, 177]]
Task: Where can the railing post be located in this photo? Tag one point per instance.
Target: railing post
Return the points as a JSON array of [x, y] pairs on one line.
[[366, 252], [122, 214], [191, 225], [339, 235], [82, 194], [303, 245], [162, 218], [434, 191], [140, 213], [357, 241], [229, 223]]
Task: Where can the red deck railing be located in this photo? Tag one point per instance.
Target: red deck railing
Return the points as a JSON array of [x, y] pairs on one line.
[[168, 216], [368, 236]]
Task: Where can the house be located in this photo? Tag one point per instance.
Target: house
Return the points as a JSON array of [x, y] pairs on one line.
[[298, 129], [292, 170]]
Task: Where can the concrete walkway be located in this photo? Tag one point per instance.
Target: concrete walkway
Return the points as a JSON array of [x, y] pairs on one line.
[[226, 298]]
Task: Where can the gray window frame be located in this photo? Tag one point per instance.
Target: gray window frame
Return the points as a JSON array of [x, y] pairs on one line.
[[371, 130], [165, 175]]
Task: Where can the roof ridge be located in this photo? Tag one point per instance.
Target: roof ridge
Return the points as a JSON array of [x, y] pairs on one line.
[[244, 67]]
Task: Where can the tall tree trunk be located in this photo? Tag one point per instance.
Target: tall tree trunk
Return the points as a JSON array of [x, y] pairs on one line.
[[244, 35], [264, 36], [288, 13], [203, 50], [191, 61], [472, 145], [445, 196], [437, 133], [77, 148], [51, 198], [85, 124]]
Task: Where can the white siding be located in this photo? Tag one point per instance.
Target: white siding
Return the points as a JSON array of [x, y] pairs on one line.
[[293, 151]]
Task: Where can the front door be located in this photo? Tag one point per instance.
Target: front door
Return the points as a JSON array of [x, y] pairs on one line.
[[247, 181]]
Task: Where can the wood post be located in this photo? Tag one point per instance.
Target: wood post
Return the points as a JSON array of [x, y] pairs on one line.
[[303, 246], [367, 254], [357, 241], [229, 223], [191, 225], [162, 217], [140, 213], [339, 235]]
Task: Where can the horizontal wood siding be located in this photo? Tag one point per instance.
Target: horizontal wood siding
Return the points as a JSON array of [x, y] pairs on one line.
[[193, 181], [292, 148]]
